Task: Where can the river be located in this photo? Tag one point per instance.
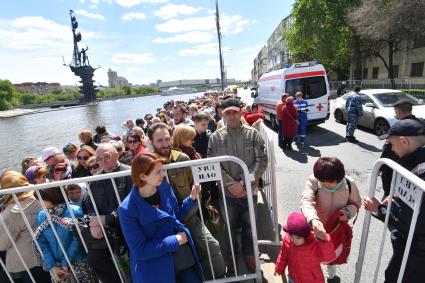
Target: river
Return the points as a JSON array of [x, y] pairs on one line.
[[28, 135]]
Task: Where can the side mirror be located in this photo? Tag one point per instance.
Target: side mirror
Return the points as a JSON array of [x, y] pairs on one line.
[[370, 104]]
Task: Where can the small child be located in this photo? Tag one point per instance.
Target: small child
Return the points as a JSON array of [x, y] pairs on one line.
[[302, 252]]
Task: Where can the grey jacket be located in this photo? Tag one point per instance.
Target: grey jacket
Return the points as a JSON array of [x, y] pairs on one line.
[[245, 143]]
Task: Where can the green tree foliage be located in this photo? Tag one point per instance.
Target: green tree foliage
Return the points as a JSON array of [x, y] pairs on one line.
[[7, 92], [387, 26], [320, 32]]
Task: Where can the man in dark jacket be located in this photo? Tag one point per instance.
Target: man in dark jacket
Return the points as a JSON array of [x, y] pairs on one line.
[[407, 138], [402, 110], [181, 180], [99, 257]]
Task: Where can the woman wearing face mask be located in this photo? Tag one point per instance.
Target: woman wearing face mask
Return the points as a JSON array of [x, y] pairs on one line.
[[326, 191]]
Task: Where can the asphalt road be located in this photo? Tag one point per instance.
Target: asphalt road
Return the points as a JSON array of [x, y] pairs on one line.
[[294, 167]]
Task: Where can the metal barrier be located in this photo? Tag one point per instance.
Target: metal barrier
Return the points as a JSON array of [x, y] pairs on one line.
[[203, 170], [269, 186], [409, 188]]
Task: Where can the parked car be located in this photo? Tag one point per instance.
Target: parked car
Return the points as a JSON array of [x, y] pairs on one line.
[[378, 108]]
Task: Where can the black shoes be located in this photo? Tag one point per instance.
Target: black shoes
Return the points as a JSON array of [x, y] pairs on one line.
[[350, 139], [334, 279]]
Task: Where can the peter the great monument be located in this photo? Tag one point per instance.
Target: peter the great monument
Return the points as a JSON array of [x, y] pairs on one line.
[[80, 64]]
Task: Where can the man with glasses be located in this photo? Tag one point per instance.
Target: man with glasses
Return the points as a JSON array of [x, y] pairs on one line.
[[99, 257]]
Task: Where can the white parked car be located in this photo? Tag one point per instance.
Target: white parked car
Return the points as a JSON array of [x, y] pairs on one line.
[[378, 108]]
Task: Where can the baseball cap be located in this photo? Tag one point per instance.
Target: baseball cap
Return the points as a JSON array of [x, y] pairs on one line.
[[48, 152], [405, 127], [231, 104], [297, 225], [69, 148]]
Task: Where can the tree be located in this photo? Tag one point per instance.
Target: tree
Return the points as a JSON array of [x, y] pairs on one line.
[[7, 91], [320, 32], [387, 24]]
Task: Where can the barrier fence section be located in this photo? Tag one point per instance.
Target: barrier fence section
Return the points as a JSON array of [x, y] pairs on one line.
[[268, 189], [203, 170], [409, 188]]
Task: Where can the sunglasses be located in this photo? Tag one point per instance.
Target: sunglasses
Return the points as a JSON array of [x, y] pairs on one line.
[[83, 157], [94, 166], [132, 141], [107, 156]]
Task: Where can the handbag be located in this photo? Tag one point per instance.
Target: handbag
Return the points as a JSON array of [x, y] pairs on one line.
[[183, 258]]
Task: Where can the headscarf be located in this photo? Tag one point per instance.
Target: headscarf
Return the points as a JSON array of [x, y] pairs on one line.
[[30, 174], [13, 179]]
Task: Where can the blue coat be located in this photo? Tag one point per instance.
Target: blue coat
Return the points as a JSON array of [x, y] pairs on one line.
[[49, 245], [301, 105], [150, 234]]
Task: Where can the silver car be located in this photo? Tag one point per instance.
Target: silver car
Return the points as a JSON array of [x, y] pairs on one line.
[[378, 108]]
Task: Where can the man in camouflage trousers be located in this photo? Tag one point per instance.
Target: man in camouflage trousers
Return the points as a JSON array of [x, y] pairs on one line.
[[353, 105]]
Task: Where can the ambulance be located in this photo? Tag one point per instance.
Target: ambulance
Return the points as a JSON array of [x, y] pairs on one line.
[[308, 77]]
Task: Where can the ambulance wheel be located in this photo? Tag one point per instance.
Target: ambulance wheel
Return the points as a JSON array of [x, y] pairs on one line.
[[273, 122]]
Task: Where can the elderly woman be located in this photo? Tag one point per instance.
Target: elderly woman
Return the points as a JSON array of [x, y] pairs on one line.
[[11, 215], [83, 155], [329, 190], [161, 248], [183, 136]]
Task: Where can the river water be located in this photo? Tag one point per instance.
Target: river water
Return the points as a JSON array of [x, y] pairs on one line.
[[28, 135]]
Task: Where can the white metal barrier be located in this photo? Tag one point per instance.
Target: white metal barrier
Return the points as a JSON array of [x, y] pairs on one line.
[[269, 186], [210, 166], [409, 188]]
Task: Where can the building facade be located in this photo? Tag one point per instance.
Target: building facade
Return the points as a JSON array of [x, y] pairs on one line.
[[408, 64], [275, 55], [194, 83], [37, 88], [115, 81]]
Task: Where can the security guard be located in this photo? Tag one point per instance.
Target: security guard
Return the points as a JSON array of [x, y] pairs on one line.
[[407, 138], [353, 105]]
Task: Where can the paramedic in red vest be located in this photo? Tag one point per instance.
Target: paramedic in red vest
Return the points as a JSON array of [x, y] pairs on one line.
[[279, 117]]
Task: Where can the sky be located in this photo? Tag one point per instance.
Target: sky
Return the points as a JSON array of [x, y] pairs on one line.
[[143, 40]]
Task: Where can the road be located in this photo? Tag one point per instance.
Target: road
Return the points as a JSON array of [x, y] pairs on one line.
[[294, 167]]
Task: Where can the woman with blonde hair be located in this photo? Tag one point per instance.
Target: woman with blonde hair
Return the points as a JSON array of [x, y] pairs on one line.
[[83, 155], [12, 220], [183, 136]]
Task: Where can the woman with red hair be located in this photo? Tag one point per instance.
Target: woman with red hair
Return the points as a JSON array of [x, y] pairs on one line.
[[161, 248]]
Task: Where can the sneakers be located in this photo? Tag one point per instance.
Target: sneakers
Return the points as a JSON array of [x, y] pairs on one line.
[[334, 279]]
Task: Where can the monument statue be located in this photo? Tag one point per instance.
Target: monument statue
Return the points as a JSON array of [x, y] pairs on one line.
[[80, 64]]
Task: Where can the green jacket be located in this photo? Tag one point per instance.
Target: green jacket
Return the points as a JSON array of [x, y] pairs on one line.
[[181, 179]]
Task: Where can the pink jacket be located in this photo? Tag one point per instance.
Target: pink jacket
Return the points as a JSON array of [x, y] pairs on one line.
[[304, 261], [317, 203]]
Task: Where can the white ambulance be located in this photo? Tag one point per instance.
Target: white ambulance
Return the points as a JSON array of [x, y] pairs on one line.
[[308, 77]]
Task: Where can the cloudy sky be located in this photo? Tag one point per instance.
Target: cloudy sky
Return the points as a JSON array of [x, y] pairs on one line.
[[144, 40]]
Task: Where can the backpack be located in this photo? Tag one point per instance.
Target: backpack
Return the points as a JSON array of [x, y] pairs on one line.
[[341, 234]]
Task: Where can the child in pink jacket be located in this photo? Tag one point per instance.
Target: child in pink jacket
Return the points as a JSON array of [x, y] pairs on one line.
[[302, 252]]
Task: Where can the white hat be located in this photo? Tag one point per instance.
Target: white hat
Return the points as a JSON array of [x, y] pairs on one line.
[[48, 152]]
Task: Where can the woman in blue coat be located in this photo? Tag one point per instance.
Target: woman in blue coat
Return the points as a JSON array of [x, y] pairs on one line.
[[161, 248]]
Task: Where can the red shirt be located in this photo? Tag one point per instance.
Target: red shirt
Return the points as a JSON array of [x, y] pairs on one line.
[[279, 110]]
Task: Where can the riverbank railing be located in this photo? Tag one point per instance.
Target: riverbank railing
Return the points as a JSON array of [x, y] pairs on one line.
[[408, 188], [203, 170]]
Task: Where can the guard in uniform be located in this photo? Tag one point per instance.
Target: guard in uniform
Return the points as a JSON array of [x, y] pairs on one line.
[[354, 108]]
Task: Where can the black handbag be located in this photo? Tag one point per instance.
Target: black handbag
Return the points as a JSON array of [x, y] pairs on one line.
[[183, 258]]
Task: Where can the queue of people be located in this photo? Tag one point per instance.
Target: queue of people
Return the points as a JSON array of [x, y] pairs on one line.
[[158, 223]]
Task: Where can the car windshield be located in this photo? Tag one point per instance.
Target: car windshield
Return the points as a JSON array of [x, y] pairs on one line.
[[388, 99]]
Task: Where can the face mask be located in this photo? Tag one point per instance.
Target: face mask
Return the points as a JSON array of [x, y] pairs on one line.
[[337, 187]]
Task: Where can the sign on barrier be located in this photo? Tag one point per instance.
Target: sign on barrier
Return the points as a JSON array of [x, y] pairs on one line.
[[406, 191], [206, 173]]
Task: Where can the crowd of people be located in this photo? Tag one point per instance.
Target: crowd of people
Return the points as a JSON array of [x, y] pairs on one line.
[[151, 219], [158, 223]]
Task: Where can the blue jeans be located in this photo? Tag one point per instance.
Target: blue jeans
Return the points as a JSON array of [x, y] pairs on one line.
[[238, 211], [302, 130], [280, 132]]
